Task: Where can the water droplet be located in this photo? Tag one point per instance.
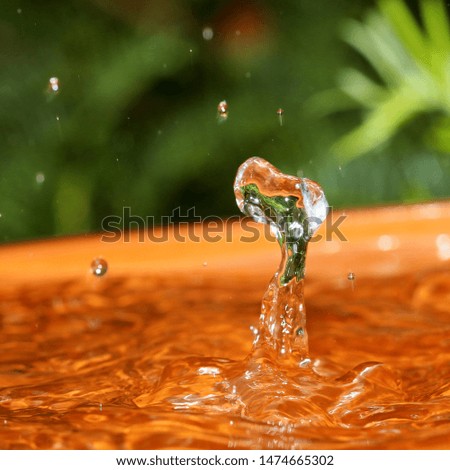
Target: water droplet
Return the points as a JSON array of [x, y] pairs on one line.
[[99, 267], [19, 11], [222, 111], [351, 276], [205, 263], [101, 407], [53, 84], [280, 113], [57, 118], [248, 75], [40, 178], [207, 33], [222, 107], [238, 33]]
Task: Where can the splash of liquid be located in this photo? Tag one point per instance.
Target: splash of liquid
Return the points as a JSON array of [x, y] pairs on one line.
[[277, 383], [294, 208]]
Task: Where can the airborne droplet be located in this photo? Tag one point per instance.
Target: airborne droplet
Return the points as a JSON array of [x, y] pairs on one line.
[[207, 33], [351, 276], [99, 267], [222, 111], [280, 113], [53, 84]]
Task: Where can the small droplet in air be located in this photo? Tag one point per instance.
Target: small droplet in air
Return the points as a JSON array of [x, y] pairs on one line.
[[280, 113], [207, 33], [99, 267], [53, 84], [57, 118], [222, 111], [205, 263], [101, 407], [19, 11], [351, 276], [40, 178]]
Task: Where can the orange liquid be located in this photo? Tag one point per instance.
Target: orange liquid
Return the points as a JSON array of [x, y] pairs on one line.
[[155, 354]]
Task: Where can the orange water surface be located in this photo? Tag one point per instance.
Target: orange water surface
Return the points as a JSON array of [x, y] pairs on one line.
[[156, 354]]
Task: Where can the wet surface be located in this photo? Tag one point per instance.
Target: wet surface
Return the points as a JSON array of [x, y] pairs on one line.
[[146, 362]]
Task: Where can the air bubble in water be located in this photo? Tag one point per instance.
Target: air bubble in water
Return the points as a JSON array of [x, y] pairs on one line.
[[99, 267], [53, 84], [207, 33]]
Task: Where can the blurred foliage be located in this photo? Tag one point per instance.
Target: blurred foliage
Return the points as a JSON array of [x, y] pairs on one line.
[[134, 122], [414, 67]]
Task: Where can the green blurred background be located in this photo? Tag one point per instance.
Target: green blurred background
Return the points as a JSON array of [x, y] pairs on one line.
[[364, 85]]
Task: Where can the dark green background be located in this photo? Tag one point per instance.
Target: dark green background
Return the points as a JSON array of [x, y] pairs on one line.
[[135, 121]]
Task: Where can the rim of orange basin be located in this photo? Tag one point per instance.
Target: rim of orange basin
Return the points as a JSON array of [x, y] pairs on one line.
[[371, 241]]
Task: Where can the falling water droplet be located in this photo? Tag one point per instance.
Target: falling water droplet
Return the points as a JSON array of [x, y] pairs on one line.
[[40, 178], [207, 33], [205, 263], [280, 113], [222, 111], [19, 11], [351, 276], [53, 84], [99, 267]]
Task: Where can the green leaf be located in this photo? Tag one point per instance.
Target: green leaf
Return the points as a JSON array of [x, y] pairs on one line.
[[380, 125], [436, 23], [406, 27]]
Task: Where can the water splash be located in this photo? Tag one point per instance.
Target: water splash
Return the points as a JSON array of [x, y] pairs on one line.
[[277, 384], [294, 208]]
